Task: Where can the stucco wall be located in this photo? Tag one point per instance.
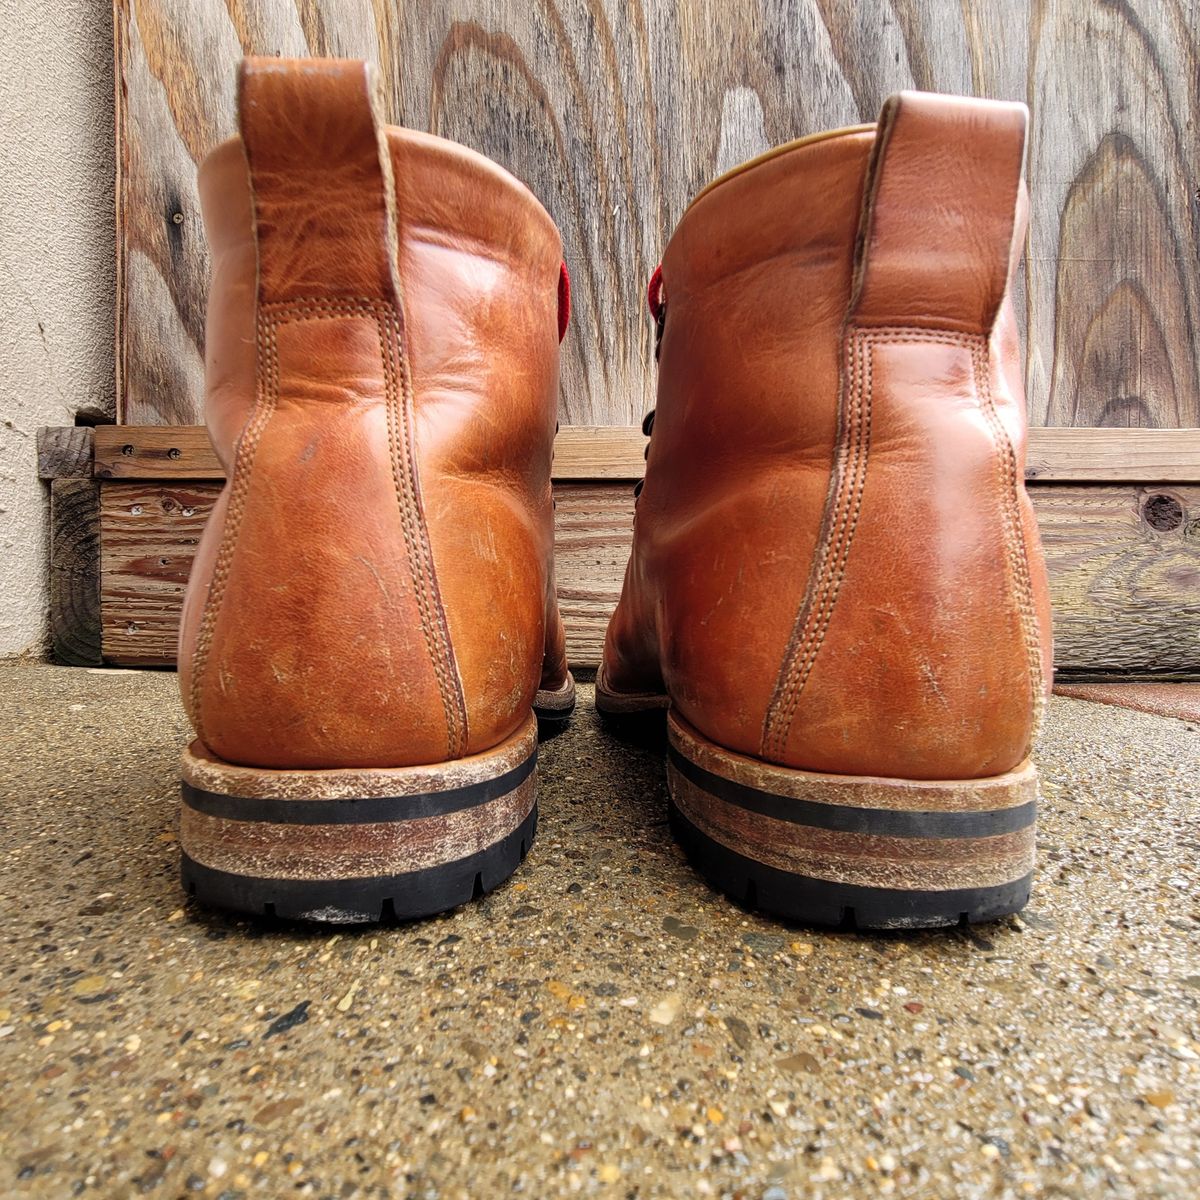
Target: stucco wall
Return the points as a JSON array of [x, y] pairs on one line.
[[56, 267]]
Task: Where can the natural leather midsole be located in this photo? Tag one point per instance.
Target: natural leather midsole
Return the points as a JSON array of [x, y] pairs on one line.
[[359, 810], [349, 824], [893, 822], [871, 832]]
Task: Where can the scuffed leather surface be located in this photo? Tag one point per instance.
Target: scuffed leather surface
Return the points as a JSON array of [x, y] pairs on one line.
[[323, 646], [757, 278], [870, 603], [481, 301]]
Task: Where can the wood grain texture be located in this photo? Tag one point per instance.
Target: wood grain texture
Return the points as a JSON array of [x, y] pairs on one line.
[[1113, 455], [600, 452], [75, 572], [64, 451], [148, 539], [1124, 566], [1114, 293], [156, 452], [1124, 578], [616, 112]]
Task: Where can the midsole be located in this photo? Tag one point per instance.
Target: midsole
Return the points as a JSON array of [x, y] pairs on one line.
[[907, 835], [343, 824]]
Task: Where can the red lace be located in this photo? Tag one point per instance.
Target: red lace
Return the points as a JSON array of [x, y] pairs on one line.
[[564, 300], [654, 293]]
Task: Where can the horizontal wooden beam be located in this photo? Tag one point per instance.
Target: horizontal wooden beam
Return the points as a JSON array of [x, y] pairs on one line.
[[604, 452], [155, 452], [1124, 562], [1076, 455]]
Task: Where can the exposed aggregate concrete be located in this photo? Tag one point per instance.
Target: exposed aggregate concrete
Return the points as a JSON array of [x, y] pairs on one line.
[[604, 1024]]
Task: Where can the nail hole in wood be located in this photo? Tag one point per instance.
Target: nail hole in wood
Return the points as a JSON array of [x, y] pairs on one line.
[[127, 451], [1163, 512]]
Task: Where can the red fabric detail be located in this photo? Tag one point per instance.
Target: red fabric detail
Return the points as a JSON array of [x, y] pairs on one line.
[[654, 293], [564, 300]]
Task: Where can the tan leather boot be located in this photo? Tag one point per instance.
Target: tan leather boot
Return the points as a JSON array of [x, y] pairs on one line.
[[836, 581], [371, 614]]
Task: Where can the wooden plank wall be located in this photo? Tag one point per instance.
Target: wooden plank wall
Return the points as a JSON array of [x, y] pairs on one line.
[[617, 111]]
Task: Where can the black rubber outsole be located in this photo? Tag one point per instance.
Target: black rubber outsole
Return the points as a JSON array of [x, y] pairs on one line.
[[820, 902], [388, 898]]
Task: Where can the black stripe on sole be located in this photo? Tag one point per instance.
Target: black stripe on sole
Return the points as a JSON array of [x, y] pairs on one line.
[[809, 901], [405, 897], [553, 716], [882, 822], [360, 810]]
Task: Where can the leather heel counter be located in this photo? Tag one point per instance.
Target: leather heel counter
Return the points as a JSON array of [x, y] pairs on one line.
[[918, 655], [918, 650], [317, 638], [315, 647]]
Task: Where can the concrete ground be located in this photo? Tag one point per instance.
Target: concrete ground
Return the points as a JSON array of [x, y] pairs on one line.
[[602, 1025]]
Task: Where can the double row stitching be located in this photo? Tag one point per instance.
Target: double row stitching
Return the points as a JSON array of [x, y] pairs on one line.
[[420, 554], [845, 505], [243, 465], [1016, 556], [398, 395]]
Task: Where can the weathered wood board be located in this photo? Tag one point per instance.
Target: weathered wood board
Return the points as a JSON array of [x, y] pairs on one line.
[[149, 533], [64, 451], [616, 112], [1124, 566], [617, 452], [75, 572]]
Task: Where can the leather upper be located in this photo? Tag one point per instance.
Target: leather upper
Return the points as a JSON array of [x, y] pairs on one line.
[[835, 564], [374, 587]]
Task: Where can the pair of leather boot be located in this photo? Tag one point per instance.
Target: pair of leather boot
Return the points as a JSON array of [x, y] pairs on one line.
[[835, 589]]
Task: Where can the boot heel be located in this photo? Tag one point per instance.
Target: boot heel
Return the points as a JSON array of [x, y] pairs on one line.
[[852, 851], [357, 845]]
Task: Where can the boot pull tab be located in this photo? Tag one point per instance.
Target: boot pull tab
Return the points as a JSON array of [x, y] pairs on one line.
[[321, 179], [940, 213]]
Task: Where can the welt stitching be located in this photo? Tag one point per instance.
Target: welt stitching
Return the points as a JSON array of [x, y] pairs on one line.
[[854, 446], [402, 473], [1015, 552], [264, 407]]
